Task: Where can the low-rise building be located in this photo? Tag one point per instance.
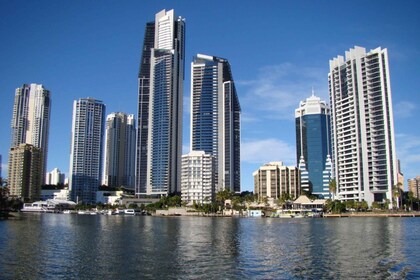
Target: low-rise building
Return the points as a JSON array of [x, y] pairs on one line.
[[60, 194], [108, 197], [274, 179], [197, 178]]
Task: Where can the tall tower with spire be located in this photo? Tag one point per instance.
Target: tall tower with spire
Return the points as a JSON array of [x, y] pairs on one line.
[[313, 145], [161, 79]]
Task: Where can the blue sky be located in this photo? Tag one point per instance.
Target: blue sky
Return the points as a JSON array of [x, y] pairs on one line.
[[278, 51]]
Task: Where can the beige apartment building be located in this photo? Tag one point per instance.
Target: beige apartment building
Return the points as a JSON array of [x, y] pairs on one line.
[[273, 179], [25, 177], [414, 186]]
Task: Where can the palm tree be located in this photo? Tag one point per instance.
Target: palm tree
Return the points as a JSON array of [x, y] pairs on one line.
[[333, 187], [410, 199], [221, 196], [396, 194]]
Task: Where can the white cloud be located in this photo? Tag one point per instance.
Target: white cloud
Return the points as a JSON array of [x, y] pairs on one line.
[[267, 150], [4, 170], [277, 90], [404, 109]]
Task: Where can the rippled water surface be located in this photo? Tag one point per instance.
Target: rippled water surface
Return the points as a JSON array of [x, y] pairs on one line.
[[54, 246]]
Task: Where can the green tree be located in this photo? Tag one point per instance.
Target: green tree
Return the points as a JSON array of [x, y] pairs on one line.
[[411, 199], [396, 194], [335, 206], [376, 205], [332, 187], [364, 206], [350, 204], [4, 199], [222, 196]]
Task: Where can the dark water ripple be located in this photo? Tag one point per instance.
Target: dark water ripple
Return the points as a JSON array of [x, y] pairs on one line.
[[52, 246]]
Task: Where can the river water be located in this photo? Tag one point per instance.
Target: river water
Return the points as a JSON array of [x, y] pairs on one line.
[[60, 246]]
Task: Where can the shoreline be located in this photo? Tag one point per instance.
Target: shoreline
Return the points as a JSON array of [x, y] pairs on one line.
[[372, 214]]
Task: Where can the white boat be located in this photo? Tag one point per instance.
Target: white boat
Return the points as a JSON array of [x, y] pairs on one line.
[[129, 212], [285, 215], [50, 206], [38, 206], [132, 212]]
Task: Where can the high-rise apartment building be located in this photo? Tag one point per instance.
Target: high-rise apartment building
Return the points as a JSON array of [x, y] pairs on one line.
[[197, 178], [25, 164], [31, 119], [161, 76], [362, 126], [215, 118], [274, 179], [414, 186], [313, 145], [86, 149], [55, 177], [120, 147]]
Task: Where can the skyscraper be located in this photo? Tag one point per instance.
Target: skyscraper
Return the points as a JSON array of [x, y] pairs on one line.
[[25, 163], [313, 145], [55, 177], [86, 149], [120, 139], [31, 119], [161, 76], [362, 126], [215, 118]]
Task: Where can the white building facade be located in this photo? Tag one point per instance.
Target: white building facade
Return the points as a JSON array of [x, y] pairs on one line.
[[362, 124], [55, 177], [86, 149], [197, 178]]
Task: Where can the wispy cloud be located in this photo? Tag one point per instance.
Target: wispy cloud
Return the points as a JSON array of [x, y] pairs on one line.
[[266, 150], [404, 109], [4, 170], [277, 90]]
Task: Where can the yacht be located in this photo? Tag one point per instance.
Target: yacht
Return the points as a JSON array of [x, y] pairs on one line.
[[38, 206]]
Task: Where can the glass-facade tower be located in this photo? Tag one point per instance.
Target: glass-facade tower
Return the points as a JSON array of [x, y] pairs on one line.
[[215, 118], [313, 144], [159, 134]]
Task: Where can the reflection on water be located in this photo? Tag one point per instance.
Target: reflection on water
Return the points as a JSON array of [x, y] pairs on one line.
[[39, 246]]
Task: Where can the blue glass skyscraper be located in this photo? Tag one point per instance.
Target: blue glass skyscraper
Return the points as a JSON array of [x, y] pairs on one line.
[[215, 118], [313, 145], [161, 78]]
